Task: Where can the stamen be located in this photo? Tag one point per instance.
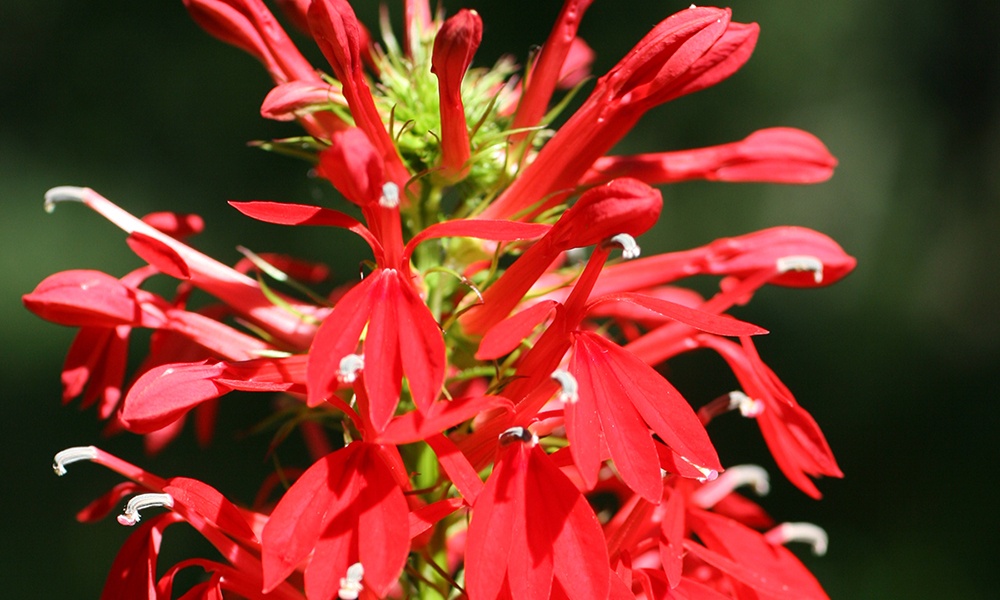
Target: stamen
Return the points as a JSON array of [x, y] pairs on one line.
[[72, 455], [734, 477], [630, 249], [350, 586], [519, 434], [569, 387], [814, 535], [708, 474], [390, 195], [350, 366], [748, 407], [143, 501], [63, 193], [802, 263]]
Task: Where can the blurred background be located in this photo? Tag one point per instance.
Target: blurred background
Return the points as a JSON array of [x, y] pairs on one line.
[[896, 362]]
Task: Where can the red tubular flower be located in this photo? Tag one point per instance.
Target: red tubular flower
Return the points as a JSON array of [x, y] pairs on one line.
[[548, 68], [622, 206], [532, 534], [339, 35], [776, 155], [347, 508], [691, 50], [454, 45], [250, 26], [241, 293]]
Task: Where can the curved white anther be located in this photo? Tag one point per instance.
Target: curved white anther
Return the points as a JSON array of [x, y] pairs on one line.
[[390, 195], [63, 193], [734, 477], [520, 434], [350, 366], [630, 249], [802, 263], [707, 474], [350, 586], [807, 533], [748, 407], [569, 388], [143, 501], [72, 455]]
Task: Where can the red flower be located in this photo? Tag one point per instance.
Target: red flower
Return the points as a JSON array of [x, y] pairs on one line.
[[532, 534]]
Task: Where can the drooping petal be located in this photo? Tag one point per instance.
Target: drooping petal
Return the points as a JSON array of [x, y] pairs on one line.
[[532, 531], [208, 503], [603, 415], [344, 509], [660, 404]]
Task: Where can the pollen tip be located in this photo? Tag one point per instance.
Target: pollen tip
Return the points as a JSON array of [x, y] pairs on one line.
[[72, 455], [130, 516], [350, 585], [748, 407], [350, 366], [569, 392], [520, 434], [802, 263], [390, 195], [63, 193], [630, 249], [734, 477], [807, 533]]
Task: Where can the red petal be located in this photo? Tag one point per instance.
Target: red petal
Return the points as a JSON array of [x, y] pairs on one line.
[[482, 229], [416, 426], [383, 363], [210, 504], [699, 319], [661, 406], [421, 346], [83, 298], [608, 410], [165, 393], [337, 337], [504, 337], [160, 255]]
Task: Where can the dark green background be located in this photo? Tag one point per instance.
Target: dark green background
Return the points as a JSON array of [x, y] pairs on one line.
[[896, 362]]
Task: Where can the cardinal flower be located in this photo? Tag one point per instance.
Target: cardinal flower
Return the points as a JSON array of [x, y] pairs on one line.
[[481, 403]]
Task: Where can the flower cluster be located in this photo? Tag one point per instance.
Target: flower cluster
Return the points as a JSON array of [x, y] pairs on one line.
[[482, 404]]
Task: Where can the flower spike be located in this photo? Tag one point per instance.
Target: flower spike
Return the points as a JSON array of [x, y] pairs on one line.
[[492, 371]]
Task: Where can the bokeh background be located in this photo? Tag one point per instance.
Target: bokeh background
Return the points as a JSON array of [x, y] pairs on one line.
[[898, 363]]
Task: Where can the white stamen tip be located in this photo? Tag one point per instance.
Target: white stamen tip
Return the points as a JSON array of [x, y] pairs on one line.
[[141, 502], [802, 263], [569, 392], [707, 474], [63, 193], [630, 249], [748, 407], [390, 195], [350, 366], [72, 455], [350, 586], [807, 533], [734, 477], [520, 434]]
